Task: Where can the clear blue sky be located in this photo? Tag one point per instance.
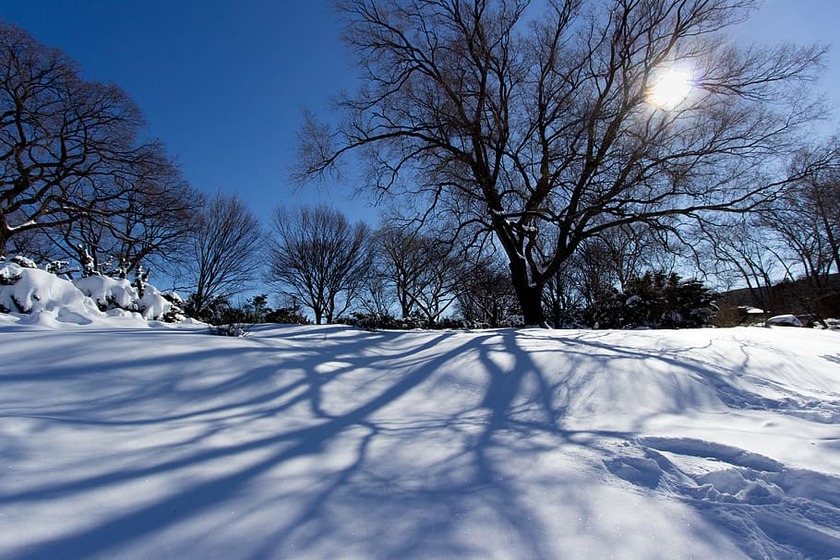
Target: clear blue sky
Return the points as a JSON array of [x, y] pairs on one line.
[[223, 82]]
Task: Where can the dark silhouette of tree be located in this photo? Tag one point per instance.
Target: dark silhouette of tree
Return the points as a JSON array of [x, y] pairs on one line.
[[222, 258], [486, 297], [608, 260], [740, 251], [319, 257], [786, 250], [543, 131], [805, 220], [69, 148], [149, 225], [654, 300], [421, 270]]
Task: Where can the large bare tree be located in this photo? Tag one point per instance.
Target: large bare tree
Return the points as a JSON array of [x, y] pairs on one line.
[[807, 215], [806, 222], [546, 124], [69, 148], [422, 271], [741, 251], [793, 238]]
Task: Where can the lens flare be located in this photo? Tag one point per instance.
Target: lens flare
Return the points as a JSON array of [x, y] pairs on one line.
[[671, 87]]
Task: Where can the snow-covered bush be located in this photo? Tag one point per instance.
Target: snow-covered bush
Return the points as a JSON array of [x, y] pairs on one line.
[[118, 293], [29, 290], [8, 276], [176, 305], [59, 268], [20, 260], [224, 318], [108, 293], [24, 288], [784, 321]]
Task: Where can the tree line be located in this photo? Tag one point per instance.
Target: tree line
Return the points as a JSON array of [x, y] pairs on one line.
[[538, 132], [547, 186]]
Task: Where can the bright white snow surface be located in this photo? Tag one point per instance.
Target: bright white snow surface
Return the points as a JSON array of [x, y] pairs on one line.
[[44, 297], [118, 441]]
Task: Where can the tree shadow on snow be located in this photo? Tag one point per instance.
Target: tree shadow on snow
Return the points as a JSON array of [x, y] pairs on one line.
[[327, 442]]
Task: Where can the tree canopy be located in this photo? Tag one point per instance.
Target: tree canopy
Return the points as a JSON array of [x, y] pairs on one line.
[[75, 167], [546, 124]]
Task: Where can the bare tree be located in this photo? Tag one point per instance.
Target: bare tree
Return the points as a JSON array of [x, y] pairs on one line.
[[399, 260], [68, 147], [148, 225], [579, 283], [223, 251], [632, 249], [744, 252], [601, 263], [807, 215], [421, 270], [435, 288], [320, 257], [485, 295], [549, 131], [377, 296], [805, 220], [784, 251], [823, 193]]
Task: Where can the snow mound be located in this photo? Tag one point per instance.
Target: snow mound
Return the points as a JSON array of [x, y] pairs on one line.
[[43, 296], [36, 297], [107, 291], [784, 321], [118, 293], [153, 305]]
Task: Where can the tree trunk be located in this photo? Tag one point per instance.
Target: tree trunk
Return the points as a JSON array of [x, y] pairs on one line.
[[4, 235], [528, 294]]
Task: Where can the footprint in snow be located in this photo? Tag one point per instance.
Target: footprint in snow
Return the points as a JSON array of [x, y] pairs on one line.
[[778, 512]]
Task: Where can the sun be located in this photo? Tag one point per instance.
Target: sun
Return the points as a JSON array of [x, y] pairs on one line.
[[671, 87]]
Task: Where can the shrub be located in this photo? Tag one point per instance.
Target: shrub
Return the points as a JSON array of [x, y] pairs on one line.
[[655, 300]]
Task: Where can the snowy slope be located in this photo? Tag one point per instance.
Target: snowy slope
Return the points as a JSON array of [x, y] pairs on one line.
[[329, 442]]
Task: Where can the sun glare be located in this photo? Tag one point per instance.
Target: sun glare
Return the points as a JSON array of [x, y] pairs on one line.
[[671, 88]]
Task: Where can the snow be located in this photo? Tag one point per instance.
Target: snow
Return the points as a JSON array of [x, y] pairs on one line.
[[633, 300], [785, 320], [107, 291], [127, 439], [44, 297]]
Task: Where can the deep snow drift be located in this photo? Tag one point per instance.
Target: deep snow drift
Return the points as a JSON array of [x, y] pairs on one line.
[[128, 441]]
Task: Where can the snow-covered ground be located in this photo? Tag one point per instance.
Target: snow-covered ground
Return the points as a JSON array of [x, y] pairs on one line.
[[122, 439]]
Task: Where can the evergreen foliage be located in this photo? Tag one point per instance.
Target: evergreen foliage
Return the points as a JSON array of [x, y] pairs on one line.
[[379, 321], [229, 320], [655, 300], [286, 316]]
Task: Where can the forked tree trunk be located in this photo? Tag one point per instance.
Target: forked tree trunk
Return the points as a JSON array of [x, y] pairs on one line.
[[529, 295]]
